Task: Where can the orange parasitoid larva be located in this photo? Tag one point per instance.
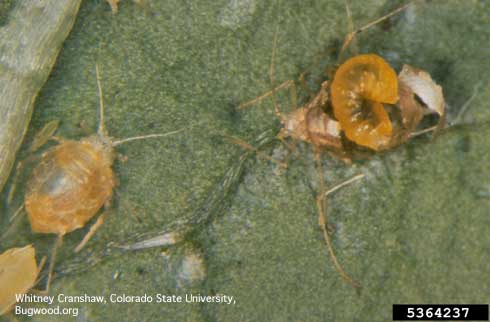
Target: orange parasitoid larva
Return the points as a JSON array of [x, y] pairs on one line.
[[360, 88]]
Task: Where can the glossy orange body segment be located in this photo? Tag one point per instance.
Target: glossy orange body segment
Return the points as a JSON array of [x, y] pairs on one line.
[[18, 274], [360, 88], [68, 187]]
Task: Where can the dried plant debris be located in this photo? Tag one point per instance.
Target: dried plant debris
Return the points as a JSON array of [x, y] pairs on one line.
[[30, 42]]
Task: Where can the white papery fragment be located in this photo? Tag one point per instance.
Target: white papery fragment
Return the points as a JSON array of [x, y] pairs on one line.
[[422, 85]]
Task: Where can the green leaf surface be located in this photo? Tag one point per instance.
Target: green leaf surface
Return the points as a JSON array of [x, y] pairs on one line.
[[415, 230]]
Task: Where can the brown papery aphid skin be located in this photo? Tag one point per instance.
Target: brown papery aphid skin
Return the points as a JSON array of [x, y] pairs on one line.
[[366, 108], [373, 107], [18, 274]]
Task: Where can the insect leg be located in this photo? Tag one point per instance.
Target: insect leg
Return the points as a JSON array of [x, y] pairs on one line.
[[351, 28], [459, 119], [92, 230], [352, 34], [289, 84], [16, 178], [57, 244], [343, 184], [323, 221], [250, 147], [13, 223], [39, 269], [462, 111], [43, 136], [147, 136], [101, 130], [304, 85], [282, 138]]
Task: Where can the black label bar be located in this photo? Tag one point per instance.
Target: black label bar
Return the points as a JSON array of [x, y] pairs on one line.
[[440, 312]]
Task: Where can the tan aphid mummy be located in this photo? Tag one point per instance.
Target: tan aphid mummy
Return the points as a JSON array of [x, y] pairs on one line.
[[73, 181]]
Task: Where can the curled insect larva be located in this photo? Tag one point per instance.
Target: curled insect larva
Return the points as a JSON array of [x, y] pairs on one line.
[[361, 87]]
